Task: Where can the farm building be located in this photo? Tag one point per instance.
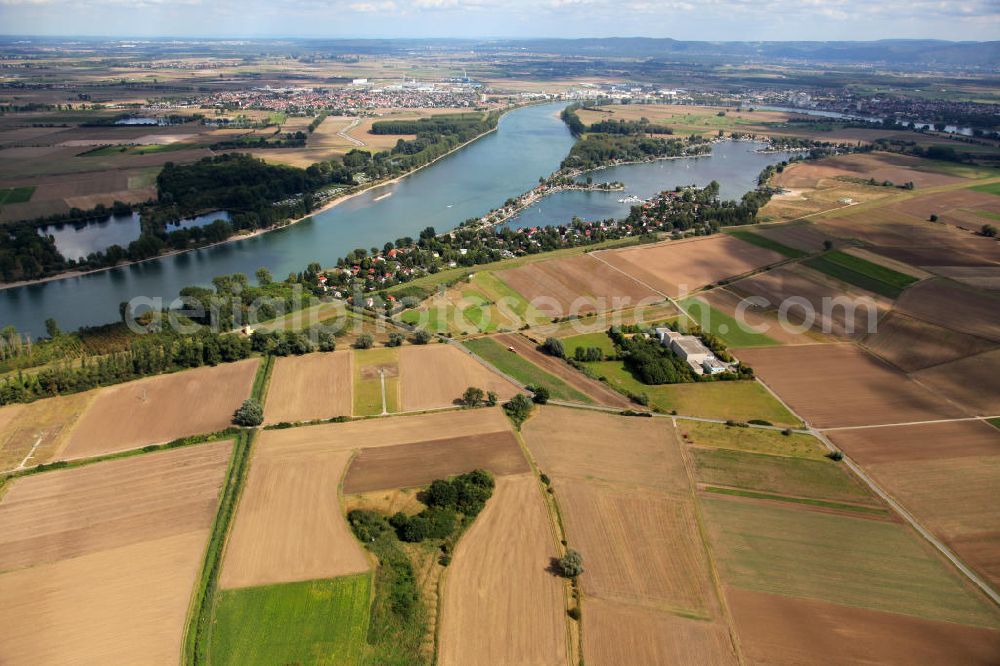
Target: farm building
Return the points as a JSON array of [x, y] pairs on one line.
[[691, 349]]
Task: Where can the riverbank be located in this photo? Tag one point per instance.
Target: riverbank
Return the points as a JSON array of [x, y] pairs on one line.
[[336, 200]]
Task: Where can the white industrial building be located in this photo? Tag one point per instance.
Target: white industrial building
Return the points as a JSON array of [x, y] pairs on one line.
[[693, 350]]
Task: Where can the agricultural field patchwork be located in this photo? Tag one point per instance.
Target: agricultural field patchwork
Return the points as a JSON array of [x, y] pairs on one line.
[[120, 548], [677, 268], [766, 547], [514, 365], [854, 270], [436, 375]]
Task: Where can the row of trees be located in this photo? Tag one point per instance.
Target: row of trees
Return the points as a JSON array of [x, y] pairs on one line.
[[143, 358]]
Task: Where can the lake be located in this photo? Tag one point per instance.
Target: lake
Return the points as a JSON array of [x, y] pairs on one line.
[[76, 241], [529, 143]]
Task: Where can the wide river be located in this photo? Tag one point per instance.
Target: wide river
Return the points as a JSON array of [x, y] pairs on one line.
[[528, 143]]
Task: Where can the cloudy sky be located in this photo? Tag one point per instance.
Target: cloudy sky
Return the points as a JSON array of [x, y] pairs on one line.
[[680, 19]]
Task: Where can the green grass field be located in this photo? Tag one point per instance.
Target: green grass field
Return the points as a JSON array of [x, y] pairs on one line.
[[766, 243], [989, 188], [106, 151], [14, 195], [523, 370], [752, 440], [825, 504], [315, 622], [861, 273], [780, 475], [368, 390], [722, 325], [841, 559], [740, 401], [489, 305], [994, 422], [585, 340]]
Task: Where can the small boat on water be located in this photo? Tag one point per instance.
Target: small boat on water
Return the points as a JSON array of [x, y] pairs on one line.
[[383, 196]]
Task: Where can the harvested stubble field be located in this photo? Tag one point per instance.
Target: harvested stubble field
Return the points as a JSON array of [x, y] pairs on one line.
[[776, 629], [689, 119], [898, 169], [678, 267], [436, 376], [501, 604], [409, 465], [787, 476], [954, 497], [576, 286], [105, 557], [310, 387], [952, 207], [982, 277], [601, 322], [835, 308], [46, 423], [802, 236], [639, 546], [874, 564], [973, 382], [841, 385], [367, 433], [615, 633], [912, 344], [588, 445], [578, 381], [288, 526], [161, 409]]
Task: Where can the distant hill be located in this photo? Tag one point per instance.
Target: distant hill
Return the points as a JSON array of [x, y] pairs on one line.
[[890, 51]]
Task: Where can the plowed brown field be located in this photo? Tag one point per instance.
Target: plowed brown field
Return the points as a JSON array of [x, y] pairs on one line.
[[776, 629], [310, 387], [927, 441], [973, 382], [437, 375], [953, 306], [161, 409], [677, 267], [911, 344], [408, 465], [840, 385], [836, 308], [501, 605], [289, 525], [104, 557], [956, 499], [577, 285], [581, 444], [616, 633]]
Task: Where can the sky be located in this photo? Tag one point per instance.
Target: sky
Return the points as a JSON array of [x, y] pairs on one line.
[[681, 19]]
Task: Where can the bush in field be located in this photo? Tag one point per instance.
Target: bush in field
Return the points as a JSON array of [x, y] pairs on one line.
[[421, 337], [835, 456], [588, 354], [472, 397], [989, 231], [541, 395], [364, 341], [249, 414], [518, 408], [570, 565], [554, 347], [491, 398], [395, 339]]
